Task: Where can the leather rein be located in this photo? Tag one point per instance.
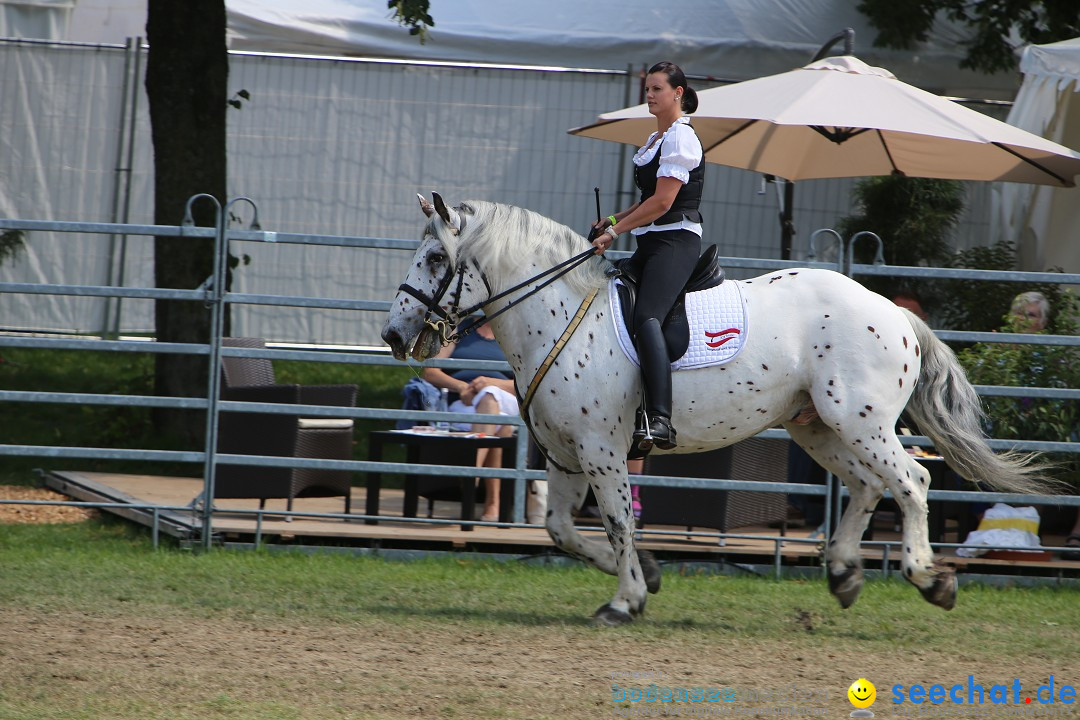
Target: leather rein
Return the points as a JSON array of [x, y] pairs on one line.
[[448, 326]]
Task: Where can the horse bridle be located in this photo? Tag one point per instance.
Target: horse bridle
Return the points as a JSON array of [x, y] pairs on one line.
[[447, 327]]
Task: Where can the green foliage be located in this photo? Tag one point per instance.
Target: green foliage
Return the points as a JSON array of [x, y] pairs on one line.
[[902, 23], [413, 14], [48, 424], [914, 218], [1043, 366], [983, 306], [11, 242]]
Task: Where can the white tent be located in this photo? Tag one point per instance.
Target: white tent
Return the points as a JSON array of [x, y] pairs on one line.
[[730, 39], [1044, 222]]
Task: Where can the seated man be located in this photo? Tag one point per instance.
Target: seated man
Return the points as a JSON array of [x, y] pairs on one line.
[[490, 393]]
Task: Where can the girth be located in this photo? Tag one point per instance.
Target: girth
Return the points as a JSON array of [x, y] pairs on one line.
[[707, 274]]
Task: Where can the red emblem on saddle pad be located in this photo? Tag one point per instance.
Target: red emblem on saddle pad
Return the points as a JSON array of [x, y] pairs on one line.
[[716, 339]]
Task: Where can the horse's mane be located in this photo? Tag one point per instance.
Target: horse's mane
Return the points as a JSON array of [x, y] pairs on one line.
[[499, 237]]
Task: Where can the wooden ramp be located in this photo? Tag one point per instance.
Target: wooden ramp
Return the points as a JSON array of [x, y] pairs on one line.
[[141, 497]]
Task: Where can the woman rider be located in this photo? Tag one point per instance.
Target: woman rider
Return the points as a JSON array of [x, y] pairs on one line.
[[668, 171]]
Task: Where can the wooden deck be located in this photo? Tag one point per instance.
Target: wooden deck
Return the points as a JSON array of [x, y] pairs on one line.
[[139, 495]]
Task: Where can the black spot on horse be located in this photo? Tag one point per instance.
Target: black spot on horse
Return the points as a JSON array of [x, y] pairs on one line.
[[870, 328]]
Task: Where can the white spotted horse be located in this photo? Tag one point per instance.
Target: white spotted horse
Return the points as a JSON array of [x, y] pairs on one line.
[[830, 361]]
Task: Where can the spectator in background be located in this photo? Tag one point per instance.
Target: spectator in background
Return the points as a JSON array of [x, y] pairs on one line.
[[1030, 312], [488, 393]]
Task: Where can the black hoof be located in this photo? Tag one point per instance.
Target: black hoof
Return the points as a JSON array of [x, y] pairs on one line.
[[608, 616], [943, 592], [846, 586], [650, 569]]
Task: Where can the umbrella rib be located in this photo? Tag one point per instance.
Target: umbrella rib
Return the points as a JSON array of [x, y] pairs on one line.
[[885, 147], [1034, 164], [730, 135]]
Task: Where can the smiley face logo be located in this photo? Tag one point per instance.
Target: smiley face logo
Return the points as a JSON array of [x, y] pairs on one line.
[[862, 693]]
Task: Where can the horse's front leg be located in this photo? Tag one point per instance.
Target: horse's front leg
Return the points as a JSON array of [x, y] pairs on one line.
[[566, 493], [565, 496], [610, 484]]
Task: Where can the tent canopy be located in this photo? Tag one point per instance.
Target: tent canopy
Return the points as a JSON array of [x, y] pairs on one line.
[[730, 39], [1045, 222]]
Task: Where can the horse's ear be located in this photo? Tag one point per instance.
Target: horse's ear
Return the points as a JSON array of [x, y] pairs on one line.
[[427, 207], [449, 215]]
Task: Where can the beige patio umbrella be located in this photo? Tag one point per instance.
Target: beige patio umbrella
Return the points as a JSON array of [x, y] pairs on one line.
[[840, 117]]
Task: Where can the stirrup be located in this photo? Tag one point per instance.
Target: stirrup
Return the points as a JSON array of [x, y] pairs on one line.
[[642, 438]]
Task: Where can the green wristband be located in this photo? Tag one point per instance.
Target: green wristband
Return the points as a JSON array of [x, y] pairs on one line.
[[612, 220]]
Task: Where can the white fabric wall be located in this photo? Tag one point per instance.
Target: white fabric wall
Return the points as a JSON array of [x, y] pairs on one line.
[[39, 19], [59, 133], [333, 147], [1044, 222]]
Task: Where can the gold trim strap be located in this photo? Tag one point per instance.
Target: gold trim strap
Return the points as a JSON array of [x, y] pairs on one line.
[[554, 354]]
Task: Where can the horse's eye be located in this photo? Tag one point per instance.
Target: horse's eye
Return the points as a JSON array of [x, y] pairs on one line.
[[436, 258]]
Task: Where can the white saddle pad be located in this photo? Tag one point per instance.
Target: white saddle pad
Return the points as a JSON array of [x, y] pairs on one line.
[[718, 325]]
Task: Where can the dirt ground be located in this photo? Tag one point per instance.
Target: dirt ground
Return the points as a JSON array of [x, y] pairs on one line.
[[188, 665], [140, 665], [38, 514]]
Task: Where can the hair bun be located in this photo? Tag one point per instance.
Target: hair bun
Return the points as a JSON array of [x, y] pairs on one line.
[[689, 100]]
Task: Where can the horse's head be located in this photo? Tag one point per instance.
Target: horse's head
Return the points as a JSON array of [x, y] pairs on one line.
[[439, 287]]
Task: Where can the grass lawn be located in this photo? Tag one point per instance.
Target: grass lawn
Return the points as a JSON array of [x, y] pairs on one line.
[[72, 425], [98, 625]]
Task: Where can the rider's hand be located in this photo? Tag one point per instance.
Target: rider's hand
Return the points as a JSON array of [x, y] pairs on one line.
[[602, 243], [601, 239], [596, 228]]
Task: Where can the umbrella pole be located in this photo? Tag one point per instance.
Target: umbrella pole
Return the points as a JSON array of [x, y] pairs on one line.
[[787, 223]]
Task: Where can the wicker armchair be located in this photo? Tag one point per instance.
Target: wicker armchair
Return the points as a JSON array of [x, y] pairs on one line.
[[761, 459], [284, 435]]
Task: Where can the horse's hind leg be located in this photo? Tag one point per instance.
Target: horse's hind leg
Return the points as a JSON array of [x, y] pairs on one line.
[[879, 451], [842, 558], [909, 485]]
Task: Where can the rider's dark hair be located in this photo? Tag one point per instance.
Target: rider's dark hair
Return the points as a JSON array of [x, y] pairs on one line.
[[677, 79]]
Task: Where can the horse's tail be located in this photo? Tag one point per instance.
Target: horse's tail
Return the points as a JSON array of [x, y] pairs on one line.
[[947, 409]]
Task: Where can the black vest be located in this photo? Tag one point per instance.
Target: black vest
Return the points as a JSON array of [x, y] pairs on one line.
[[686, 202]]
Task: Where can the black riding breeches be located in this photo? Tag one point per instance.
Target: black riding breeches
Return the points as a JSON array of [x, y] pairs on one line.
[[663, 261]]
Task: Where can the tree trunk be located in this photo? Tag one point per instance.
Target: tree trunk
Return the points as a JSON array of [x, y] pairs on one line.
[[186, 83]]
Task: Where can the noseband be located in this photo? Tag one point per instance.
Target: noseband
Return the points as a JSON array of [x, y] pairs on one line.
[[447, 325]]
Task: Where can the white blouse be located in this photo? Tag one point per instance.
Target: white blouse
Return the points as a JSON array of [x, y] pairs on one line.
[[680, 152]]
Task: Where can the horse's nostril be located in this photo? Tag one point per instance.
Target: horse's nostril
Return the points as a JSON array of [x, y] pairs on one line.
[[391, 338]]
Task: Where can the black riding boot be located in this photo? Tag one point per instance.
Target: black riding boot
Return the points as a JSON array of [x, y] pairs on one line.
[[656, 372]]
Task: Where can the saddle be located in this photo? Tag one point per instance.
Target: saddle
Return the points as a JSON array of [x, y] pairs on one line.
[[707, 274]]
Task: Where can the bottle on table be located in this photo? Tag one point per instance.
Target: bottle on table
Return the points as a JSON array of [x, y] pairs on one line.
[[444, 404]]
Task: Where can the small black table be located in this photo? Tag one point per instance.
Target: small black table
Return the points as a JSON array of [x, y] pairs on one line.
[[448, 448]]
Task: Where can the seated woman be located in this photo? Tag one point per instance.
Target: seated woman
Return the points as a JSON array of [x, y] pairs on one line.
[[487, 393]]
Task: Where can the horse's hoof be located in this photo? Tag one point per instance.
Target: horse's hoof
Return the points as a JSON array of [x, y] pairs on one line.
[[846, 586], [650, 569], [608, 616], [943, 590]]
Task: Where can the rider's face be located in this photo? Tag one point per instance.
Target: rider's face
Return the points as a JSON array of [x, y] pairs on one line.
[[660, 96]]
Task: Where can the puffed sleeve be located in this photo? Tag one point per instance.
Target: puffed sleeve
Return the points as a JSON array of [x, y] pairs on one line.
[[680, 153]]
